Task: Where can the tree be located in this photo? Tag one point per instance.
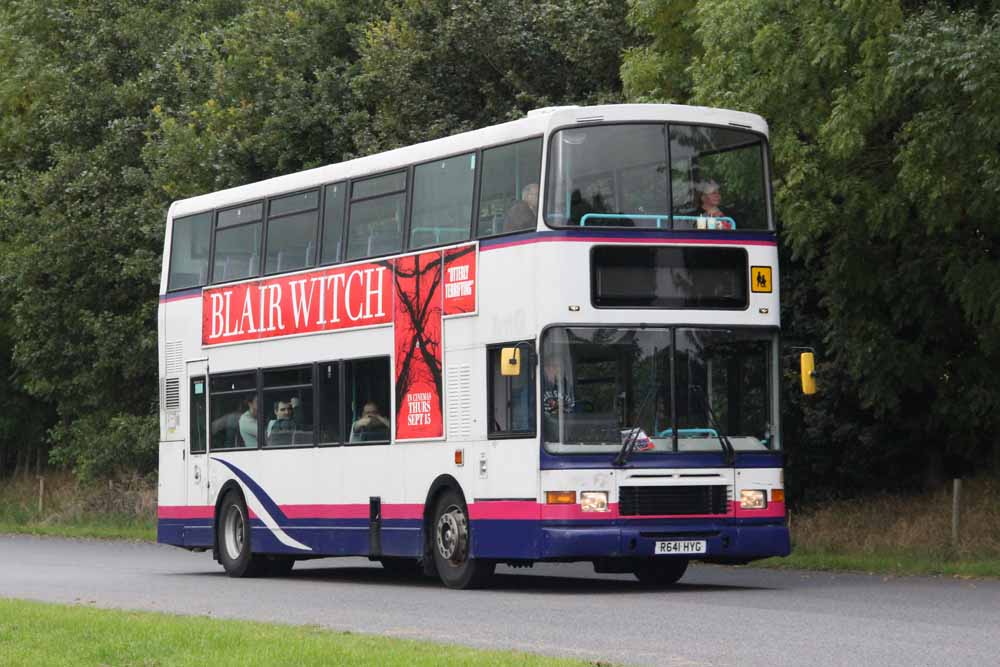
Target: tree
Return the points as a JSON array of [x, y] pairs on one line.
[[657, 71], [79, 243], [885, 192], [435, 68], [110, 110]]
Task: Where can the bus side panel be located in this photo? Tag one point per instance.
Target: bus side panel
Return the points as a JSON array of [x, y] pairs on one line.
[[171, 494]]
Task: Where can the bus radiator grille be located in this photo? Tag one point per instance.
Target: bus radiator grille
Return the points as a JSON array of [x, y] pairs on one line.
[[653, 500]]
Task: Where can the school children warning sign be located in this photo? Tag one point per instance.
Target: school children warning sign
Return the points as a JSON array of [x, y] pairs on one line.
[[412, 293]]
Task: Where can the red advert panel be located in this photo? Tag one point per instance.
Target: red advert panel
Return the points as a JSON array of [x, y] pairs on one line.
[[460, 280], [327, 300], [418, 347]]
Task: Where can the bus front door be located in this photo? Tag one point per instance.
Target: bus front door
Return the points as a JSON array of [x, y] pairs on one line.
[[198, 530]]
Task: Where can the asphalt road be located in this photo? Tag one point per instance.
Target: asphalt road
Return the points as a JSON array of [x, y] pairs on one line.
[[715, 616]]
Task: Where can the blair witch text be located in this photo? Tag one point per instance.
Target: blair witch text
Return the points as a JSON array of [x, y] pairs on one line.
[[327, 300]]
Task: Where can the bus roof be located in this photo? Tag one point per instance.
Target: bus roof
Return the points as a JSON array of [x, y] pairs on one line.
[[537, 123]]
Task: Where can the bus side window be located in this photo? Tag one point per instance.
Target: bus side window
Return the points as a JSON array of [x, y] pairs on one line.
[[235, 414], [197, 415], [328, 397], [287, 406], [442, 201], [291, 232], [333, 223], [189, 252], [237, 243], [367, 383], [510, 399], [375, 223], [508, 175]]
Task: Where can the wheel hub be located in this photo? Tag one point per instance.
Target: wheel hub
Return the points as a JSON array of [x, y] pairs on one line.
[[453, 536], [234, 530]]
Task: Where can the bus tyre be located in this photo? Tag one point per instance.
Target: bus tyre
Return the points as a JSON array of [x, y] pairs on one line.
[[234, 539], [661, 572], [452, 545]]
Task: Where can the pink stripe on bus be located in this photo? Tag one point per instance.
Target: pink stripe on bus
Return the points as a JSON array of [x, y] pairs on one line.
[[505, 509], [508, 510], [615, 239], [185, 511], [352, 511]]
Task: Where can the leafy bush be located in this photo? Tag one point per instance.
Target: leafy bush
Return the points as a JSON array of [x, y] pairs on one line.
[[101, 445]]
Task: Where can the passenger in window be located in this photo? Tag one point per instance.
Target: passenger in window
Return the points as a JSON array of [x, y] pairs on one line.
[[224, 429], [710, 216], [524, 213], [280, 429], [248, 422], [371, 425], [557, 390]]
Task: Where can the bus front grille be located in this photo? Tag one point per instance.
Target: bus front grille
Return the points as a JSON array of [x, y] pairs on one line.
[[652, 500]]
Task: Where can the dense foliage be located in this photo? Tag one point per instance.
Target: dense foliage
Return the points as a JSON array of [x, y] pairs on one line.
[[884, 146]]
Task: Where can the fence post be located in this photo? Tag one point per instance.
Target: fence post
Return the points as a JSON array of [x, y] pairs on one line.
[[956, 503], [41, 494]]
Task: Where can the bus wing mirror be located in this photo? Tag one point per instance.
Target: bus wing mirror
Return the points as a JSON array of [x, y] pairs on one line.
[[807, 365], [510, 361]]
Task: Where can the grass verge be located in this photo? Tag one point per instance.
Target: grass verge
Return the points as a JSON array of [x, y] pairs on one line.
[[34, 633], [900, 535], [123, 508]]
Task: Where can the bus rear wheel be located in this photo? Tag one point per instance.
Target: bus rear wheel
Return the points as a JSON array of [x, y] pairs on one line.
[[661, 572], [234, 539], [452, 539]]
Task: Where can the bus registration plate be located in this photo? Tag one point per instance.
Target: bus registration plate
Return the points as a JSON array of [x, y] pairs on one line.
[[681, 547]]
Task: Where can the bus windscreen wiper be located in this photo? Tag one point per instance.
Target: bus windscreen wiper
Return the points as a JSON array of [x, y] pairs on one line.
[[633, 437], [727, 446]]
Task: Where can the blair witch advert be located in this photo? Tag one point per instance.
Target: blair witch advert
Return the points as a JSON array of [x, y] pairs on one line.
[[418, 346], [412, 293]]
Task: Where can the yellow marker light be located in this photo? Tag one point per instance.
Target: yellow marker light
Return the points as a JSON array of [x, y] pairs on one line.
[[777, 495], [807, 368], [560, 497], [753, 499], [459, 457], [594, 501]]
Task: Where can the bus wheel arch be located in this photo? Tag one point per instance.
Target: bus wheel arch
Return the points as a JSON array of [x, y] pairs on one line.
[[440, 485], [449, 538], [231, 485], [233, 530]]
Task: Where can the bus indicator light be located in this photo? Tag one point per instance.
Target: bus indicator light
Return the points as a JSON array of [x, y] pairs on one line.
[[777, 495], [560, 497], [459, 457]]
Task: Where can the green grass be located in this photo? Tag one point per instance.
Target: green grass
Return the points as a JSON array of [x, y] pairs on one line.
[[124, 508], [104, 528], [33, 633], [898, 562]]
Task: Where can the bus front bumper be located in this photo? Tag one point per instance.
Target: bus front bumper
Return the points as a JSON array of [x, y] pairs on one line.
[[724, 542]]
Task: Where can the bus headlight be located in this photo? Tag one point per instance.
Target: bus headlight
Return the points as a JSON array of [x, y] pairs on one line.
[[753, 499], [594, 501]]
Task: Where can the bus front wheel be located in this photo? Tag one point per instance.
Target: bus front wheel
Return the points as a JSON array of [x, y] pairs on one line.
[[452, 546], [234, 539]]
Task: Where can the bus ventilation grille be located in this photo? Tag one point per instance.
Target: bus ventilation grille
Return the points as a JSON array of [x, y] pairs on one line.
[[653, 500]]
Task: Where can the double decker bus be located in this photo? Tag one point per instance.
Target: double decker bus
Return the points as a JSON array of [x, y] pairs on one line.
[[554, 339]]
